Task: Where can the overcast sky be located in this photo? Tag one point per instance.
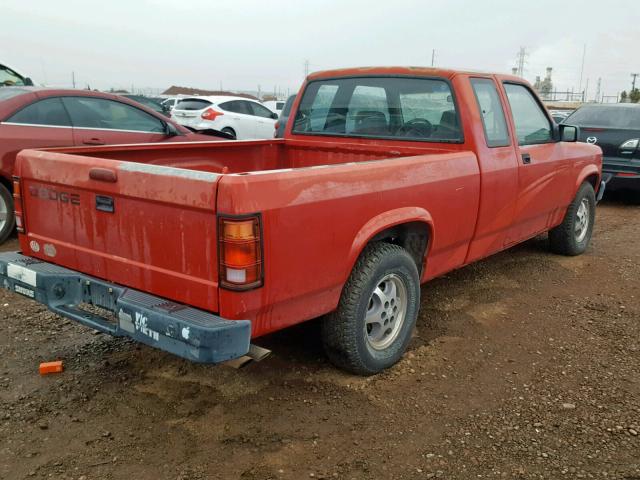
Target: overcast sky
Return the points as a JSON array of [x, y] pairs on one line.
[[241, 44]]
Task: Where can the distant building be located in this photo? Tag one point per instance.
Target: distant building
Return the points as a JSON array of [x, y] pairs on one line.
[[174, 90], [544, 87]]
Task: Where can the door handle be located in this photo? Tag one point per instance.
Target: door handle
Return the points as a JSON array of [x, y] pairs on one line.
[[93, 141], [526, 158]]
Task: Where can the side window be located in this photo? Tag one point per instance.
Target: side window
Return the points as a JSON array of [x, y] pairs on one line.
[[493, 120], [260, 110], [44, 112], [227, 106], [532, 125], [99, 113], [368, 111]]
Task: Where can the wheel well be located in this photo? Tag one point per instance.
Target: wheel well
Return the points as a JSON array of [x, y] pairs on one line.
[[593, 180], [412, 236], [7, 183]]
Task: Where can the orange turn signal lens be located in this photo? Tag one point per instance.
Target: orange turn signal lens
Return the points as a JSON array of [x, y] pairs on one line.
[[17, 204], [240, 253]]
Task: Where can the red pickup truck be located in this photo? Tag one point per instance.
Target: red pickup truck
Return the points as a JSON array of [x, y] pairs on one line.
[[386, 178]]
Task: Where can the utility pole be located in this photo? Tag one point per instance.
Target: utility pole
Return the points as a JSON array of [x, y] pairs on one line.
[[433, 57], [584, 53], [306, 68], [633, 83], [598, 88], [73, 79], [522, 58]]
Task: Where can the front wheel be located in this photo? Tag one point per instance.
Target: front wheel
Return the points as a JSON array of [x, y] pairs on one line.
[[372, 326], [7, 218], [573, 235]]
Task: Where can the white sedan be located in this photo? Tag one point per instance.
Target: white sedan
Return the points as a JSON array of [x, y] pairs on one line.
[[240, 117]]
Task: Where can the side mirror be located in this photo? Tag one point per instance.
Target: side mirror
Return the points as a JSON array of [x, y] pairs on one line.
[[274, 116], [170, 130], [28, 82], [568, 133]]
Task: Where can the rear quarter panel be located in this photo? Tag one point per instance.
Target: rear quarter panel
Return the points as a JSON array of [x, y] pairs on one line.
[[314, 219]]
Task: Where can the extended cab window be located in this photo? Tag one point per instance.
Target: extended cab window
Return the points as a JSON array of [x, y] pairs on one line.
[[48, 112], [102, 114], [532, 125], [493, 120], [387, 107]]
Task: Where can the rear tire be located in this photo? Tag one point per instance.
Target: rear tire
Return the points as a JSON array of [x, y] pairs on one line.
[[230, 131], [573, 235], [7, 218], [372, 326]]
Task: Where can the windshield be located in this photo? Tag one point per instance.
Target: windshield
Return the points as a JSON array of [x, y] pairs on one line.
[[9, 78], [394, 107], [604, 116]]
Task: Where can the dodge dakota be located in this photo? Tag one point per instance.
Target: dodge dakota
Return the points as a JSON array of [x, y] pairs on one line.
[[385, 178]]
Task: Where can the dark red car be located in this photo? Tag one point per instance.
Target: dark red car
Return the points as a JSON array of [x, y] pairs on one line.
[[32, 117]]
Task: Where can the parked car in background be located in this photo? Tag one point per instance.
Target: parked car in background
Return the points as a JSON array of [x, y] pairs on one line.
[[559, 116], [417, 172], [238, 116], [275, 105], [32, 117], [169, 103], [284, 117], [615, 128], [10, 78], [150, 103]]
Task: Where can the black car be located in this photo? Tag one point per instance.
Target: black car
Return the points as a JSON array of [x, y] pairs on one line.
[[284, 116], [616, 129], [150, 103]]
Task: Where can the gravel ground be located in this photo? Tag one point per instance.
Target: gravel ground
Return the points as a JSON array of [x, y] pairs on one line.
[[524, 366]]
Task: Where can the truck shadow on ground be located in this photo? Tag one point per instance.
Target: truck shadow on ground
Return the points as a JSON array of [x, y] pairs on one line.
[[457, 304]]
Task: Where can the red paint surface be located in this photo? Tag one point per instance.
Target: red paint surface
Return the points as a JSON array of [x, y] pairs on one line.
[[162, 237]]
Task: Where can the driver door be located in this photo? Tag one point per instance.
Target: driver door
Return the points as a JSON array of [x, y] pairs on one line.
[[543, 173]]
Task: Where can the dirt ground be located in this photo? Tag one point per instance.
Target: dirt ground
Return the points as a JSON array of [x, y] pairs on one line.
[[526, 365]]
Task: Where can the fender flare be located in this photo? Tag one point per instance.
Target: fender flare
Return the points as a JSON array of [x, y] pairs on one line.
[[386, 220], [587, 171]]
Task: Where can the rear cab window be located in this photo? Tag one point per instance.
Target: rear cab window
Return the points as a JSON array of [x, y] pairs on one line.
[[403, 108]]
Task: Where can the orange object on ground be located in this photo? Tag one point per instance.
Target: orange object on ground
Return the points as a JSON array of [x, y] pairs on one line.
[[51, 367]]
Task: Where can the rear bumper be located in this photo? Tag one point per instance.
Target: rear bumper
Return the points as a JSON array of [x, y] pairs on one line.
[[179, 329], [621, 172]]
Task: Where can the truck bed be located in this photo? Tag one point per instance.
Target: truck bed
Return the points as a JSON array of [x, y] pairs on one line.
[[249, 155]]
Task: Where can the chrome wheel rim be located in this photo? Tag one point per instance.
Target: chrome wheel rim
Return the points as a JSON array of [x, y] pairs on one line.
[[582, 220], [386, 311], [4, 213]]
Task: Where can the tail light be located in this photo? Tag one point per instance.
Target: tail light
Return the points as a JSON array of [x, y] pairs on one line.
[[17, 204], [210, 114], [240, 252]]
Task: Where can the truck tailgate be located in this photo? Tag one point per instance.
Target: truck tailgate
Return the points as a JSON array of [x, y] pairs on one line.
[[148, 227]]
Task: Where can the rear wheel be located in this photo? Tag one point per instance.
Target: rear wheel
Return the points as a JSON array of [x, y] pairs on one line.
[[573, 235], [229, 131], [372, 326], [7, 218]]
